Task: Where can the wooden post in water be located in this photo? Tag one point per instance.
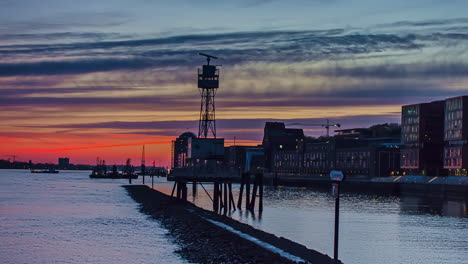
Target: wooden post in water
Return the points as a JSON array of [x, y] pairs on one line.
[[173, 188], [247, 191], [221, 204], [231, 198], [179, 189], [194, 188], [254, 193], [239, 201], [215, 197], [152, 182], [260, 199], [184, 191], [226, 201], [143, 178]]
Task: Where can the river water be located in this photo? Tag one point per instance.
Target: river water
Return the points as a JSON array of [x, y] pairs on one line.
[[69, 218], [373, 228]]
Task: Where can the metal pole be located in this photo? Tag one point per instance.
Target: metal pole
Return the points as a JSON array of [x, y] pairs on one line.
[[337, 222]]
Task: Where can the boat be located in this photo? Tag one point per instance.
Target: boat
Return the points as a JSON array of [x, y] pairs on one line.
[[45, 171], [100, 171]]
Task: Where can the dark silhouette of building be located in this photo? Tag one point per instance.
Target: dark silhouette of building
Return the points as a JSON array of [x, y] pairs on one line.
[[63, 163], [356, 151], [456, 136], [422, 138], [180, 150], [244, 158], [318, 155], [234, 157], [359, 152], [278, 138]]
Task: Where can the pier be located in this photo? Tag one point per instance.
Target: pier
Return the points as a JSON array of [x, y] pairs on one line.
[[222, 180]]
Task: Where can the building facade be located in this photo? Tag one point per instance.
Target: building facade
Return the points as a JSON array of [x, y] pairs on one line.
[[180, 150], [285, 141], [422, 138], [353, 151], [455, 136], [63, 163]]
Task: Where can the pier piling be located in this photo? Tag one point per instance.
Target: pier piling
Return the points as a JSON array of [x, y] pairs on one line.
[[216, 197], [247, 191], [254, 194], [194, 188], [260, 198], [241, 191], [226, 201]]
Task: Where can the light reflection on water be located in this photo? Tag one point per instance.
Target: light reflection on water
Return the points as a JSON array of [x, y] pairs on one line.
[[69, 218], [373, 228]]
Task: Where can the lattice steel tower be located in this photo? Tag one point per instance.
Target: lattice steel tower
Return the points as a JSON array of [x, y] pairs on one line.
[[208, 83]]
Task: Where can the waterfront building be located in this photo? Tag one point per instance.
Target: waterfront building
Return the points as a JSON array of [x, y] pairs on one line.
[[279, 139], [456, 136], [234, 157], [318, 155], [63, 163], [180, 150], [368, 152], [422, 138], [287, 161], [254, 159], [356, 152], [201, 150]]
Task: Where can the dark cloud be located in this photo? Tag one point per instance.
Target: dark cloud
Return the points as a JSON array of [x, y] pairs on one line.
[[366, 92], [392, 71], [242, 129], [74, 66], [62, 37], [181, 51], [64, 21], [426, 23]]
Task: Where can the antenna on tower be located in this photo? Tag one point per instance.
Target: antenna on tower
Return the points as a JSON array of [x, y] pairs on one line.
[[208, 83], [208, 57]]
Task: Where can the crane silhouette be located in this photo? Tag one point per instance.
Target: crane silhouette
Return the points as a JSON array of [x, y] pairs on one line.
[[326, 126], [12, 157]]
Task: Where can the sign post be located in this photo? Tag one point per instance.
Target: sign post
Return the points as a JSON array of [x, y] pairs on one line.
[[337, 177]]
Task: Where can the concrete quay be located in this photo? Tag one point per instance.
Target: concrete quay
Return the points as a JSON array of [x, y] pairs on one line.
[[207, 237]]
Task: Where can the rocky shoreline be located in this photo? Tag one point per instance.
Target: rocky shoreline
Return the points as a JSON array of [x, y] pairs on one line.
[[202, 241]]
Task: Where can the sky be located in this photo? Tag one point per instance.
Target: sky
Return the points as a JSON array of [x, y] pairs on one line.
[[83, 79]]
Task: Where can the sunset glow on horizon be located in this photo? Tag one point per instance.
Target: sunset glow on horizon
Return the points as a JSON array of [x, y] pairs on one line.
[[106, 79]]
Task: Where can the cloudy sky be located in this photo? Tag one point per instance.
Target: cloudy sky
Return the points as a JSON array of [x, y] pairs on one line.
[[101, 78]]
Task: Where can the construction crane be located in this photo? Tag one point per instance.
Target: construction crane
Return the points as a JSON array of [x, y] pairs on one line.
[[10, 157], [326, 126]]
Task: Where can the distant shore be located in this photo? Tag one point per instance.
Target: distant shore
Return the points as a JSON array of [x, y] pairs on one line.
[[203, 236]]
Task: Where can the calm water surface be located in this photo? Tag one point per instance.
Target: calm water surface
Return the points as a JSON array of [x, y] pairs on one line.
[[373, 229], [69, 218]]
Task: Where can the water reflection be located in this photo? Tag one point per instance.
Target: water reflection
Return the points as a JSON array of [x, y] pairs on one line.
[[434, 206], [374, 228], [69, 218]]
